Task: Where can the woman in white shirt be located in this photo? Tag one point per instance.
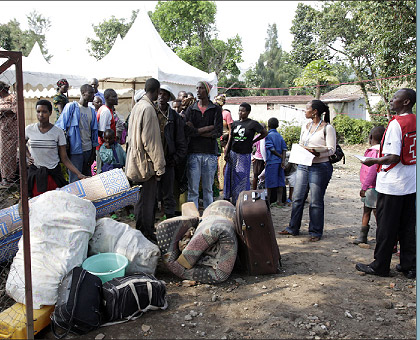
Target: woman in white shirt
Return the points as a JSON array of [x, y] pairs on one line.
[[46, 147], [319, 138]]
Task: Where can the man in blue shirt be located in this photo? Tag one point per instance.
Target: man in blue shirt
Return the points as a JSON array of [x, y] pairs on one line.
[[79, 122]]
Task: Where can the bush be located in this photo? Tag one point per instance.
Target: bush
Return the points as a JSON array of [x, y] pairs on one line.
[[351, 130], [290, 134]]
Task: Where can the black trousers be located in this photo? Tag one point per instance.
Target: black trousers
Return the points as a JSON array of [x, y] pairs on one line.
[[166, 191], [396, 217], [144, 209]]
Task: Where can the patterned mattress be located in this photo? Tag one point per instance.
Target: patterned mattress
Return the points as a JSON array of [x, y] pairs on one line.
[[210, 255]]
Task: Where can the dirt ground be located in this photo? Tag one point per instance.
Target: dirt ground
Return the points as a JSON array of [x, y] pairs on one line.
[[318, 295]]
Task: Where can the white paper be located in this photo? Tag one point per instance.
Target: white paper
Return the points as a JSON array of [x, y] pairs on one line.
[[299, 155], [361, 158]]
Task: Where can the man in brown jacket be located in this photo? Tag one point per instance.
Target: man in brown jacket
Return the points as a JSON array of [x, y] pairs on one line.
[[145, 158]]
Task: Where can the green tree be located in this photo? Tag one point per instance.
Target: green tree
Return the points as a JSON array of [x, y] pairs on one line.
[[305, 47], [317, 72], [106, 33], [377, 38], [38, 27], [274, 68], [188, 28], [13, 38]]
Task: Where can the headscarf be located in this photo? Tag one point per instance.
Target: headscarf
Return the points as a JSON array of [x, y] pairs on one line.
[[62, 82], [220, 99], [186, 102]]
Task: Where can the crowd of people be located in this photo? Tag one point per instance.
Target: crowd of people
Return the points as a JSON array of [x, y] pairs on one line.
[[182, 148]]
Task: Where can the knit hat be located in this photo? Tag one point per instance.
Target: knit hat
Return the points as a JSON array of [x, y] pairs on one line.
[[207, 85]]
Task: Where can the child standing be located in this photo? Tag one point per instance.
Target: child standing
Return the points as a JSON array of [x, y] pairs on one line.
[[275, 148], [368, 180], [258, 159], [112, 154], [290, 173]]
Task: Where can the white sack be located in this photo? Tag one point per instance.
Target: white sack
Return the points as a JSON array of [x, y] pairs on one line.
[[61, 225], [111, 236]]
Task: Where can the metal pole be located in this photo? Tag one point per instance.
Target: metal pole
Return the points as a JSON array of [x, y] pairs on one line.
[[24, 198]]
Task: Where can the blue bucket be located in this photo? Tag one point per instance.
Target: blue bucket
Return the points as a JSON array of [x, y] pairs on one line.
[[106, 266]]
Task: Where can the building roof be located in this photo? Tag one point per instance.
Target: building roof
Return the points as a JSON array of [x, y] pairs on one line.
[[343, 93], [298, 99]]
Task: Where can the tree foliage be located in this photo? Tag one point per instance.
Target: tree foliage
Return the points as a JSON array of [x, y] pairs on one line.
[[179, 23], [188, 28], [317, 72], [13, 38], [274, 68], [106, 33], [377, 39], [305, 47]]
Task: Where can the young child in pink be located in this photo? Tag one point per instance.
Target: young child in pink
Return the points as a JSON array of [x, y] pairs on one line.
[[368, 180]]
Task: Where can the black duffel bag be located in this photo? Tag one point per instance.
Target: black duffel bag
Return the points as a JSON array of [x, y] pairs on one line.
[[78, 304], [127, 298]]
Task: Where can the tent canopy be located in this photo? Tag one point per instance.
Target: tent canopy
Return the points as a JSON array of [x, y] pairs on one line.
[[143, 53], [140, 55]]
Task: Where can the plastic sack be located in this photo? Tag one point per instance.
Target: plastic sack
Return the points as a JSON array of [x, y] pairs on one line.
[[61, 225], [111, 236]]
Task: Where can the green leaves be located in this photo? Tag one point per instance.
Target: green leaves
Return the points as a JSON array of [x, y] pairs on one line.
[[107, 32], [317, 72], [12, 38], [188, 28], [274, 68]]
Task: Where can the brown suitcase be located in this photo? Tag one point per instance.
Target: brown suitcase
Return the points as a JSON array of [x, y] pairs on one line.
[[258, 251]]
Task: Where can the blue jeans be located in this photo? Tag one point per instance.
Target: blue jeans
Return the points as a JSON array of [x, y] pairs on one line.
[[81, 162], [317, 177], [201, 166]]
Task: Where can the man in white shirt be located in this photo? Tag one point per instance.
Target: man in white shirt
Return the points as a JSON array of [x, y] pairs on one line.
[[396, 186]]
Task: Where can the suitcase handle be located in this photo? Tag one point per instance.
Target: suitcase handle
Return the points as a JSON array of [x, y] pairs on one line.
[[255, 196]]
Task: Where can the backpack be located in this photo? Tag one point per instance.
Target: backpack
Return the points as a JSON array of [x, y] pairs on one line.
[[78, 303], [339, 154], [127, 298]]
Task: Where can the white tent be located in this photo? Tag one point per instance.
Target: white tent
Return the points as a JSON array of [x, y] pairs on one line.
[[39, 77], [143, 53]]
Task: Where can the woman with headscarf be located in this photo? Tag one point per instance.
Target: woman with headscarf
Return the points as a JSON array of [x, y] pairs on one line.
[[60, 99], [8, 135]]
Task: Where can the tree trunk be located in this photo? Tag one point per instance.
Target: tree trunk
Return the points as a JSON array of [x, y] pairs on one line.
[[362, 86], [379, 87], [318, 90]]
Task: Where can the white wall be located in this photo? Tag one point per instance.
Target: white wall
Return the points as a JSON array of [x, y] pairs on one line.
[[259, 112]]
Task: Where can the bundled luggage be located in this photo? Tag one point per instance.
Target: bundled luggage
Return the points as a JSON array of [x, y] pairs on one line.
[[84, 303], [127, 298], [258, 251], [78, 304]]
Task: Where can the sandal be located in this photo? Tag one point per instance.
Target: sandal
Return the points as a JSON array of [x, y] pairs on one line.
[[314, 239]]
